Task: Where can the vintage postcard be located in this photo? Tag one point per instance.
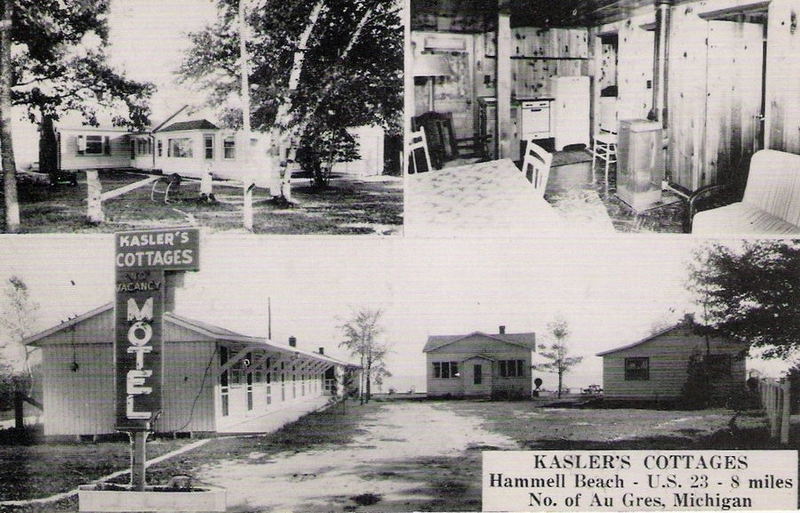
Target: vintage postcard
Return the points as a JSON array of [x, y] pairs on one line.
[[399, 256]]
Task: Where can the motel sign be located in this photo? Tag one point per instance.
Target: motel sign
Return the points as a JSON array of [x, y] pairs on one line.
[[141, 260]]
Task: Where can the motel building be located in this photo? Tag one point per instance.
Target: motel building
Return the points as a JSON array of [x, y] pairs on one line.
[[215, 381]]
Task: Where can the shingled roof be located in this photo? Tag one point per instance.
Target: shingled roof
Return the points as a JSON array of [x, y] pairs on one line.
[[527, 340], [196, 124]]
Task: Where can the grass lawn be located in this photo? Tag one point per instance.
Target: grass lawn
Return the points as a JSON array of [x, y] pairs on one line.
[[450, 483], [455, 481], [348, 206], [41, 470]]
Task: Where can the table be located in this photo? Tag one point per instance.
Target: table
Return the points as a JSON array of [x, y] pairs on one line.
[[488, 199]]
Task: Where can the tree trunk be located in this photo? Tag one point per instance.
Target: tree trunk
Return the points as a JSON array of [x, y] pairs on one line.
[[560, 381], [368, 383], [6, 145], [48, 147]]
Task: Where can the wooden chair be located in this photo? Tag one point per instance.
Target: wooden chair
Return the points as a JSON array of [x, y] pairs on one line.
[[536, 166], [418, 144], [445, 147], [604, 146]]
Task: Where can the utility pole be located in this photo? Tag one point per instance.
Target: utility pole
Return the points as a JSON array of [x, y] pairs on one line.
[[9, 164]]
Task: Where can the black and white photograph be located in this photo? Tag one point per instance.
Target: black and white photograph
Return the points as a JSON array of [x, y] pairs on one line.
[[399, 256], [252, 116], [374, 379], [597, 117]]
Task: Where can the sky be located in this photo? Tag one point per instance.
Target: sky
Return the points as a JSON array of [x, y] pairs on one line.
[[148, 39], [612, 291]]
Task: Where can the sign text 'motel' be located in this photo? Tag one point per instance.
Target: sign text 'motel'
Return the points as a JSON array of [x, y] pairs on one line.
[[141, 258]]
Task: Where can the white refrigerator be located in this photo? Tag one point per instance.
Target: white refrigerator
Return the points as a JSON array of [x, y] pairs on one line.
[[570, 111]]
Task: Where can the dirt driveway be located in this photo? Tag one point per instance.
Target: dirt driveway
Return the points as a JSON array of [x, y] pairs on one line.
[[387, 467]]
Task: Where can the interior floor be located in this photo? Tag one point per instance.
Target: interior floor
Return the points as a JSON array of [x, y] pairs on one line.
[[571, 186]]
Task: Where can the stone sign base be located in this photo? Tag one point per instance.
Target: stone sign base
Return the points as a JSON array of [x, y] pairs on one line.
[[153, 499]]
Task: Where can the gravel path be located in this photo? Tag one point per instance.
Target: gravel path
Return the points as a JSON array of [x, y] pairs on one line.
[[327, 480]]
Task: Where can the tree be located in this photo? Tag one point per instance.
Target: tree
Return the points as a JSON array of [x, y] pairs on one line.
[[361, 334], [9, 164], [17, 320], [58, 66], [316, 68], [61, 64], [558, 354], [751, 293]]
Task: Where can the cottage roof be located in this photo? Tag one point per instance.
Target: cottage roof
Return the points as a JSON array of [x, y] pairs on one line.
[[196, 124], [527, 340], [642, 341], [210, 330]]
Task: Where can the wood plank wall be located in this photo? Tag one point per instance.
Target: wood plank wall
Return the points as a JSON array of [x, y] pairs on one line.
[[783, 76], [686, 96]]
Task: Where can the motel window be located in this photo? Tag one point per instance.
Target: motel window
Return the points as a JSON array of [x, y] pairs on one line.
[[445, 370], [208, 144], [512, 368], [180, 148], [637, 369], [160, 147], [229, 148]]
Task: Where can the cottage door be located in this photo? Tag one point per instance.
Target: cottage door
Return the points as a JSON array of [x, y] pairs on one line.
[[477, 377], [734, 101]]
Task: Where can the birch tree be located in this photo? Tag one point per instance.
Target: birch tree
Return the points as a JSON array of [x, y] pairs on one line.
[[316, 68], [361, 335], [9, 164], [557, 352]]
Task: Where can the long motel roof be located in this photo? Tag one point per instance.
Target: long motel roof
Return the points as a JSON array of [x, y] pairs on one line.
[[216, 332]]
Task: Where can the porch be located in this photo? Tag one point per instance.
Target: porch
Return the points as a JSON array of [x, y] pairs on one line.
[[260, 386]]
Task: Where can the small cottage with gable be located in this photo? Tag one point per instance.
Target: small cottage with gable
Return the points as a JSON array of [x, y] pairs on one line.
[[480, 364], [656, 368]]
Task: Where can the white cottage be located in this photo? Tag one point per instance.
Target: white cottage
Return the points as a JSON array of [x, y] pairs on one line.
[[655, 368], [480, 364], [189, 148], [215, 380]]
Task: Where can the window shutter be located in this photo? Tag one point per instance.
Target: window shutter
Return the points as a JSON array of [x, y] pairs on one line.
[[81, 145], [107, 145]]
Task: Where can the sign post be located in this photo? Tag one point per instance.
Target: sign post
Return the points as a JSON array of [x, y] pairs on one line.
[[141, 259]]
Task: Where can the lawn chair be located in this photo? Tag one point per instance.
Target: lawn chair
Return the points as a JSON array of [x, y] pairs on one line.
[[166, 185], [536, 166]]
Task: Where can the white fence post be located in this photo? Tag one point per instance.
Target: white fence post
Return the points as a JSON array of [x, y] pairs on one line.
[[777, 403], [94, 207], [247, 208], [786, 412]]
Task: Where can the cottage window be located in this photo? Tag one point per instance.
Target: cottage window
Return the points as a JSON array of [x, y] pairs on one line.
[[445, 370], [229, 148], [94, 145], [160, 147], [637, 369], [512, 368], [208, 142], [180, 148]]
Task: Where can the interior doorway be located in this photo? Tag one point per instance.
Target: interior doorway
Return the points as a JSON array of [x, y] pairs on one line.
[[734, 100]]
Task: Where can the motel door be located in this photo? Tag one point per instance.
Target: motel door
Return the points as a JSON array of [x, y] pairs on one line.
[[734, 108]]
